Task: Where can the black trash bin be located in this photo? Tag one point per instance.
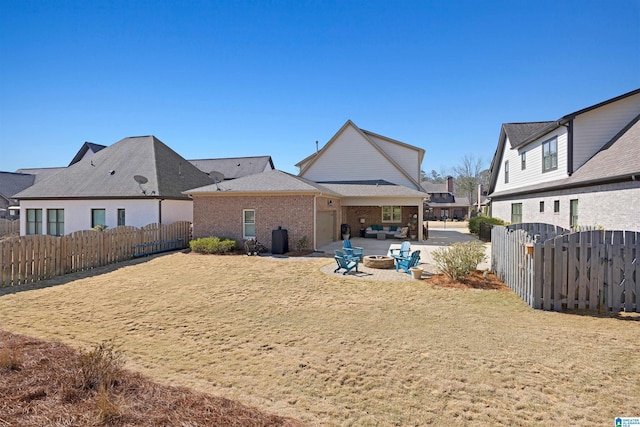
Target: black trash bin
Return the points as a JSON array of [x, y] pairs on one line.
[[279, 241]]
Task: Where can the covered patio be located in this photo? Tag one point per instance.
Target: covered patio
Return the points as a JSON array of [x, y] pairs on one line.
[[437, 239]]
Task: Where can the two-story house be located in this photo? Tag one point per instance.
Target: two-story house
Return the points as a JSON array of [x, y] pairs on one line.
[[580, 170], [358, 179]]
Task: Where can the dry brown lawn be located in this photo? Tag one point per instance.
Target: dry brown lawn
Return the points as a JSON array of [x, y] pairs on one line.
[[282, 336]]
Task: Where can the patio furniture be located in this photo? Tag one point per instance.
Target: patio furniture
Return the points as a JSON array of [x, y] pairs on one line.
[[346, 263], [406, 263], [352, 251], [253, 247], [403, 251]]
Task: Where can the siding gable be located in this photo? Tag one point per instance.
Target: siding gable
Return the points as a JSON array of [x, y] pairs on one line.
[[356, 155], [593, 129]]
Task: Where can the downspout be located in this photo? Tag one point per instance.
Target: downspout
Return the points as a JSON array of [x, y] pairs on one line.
[[315, 224], [159, 211], [569, 147]]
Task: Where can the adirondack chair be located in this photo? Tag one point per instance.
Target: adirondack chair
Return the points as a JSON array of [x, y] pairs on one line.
[[407, 262], [348, 263], [352, 251], [403, 252]]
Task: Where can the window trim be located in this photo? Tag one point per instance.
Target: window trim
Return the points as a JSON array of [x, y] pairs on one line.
[[556, 206], [552, 154], [519, 214], [506, 171], [124, 217], [542, 206], [59, 223], [245, 236], [393, 218], [574, 213], [523, 160], [37, 222], [93, 211]]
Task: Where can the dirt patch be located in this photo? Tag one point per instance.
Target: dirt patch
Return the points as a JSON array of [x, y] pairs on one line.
[[39, 382], [476, 280]]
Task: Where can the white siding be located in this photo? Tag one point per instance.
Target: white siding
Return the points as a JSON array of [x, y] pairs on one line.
[[406, 157], [612, 206], [177, 210], [138, 213], [533, 173], [351, 157], [595, 128]]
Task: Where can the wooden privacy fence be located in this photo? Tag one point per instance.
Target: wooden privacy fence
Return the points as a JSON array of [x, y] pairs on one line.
[[587, 270], [8, 226], [28, 259]]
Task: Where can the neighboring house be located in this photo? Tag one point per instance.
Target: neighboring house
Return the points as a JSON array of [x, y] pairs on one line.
[[235, 167], [442, 203], [136, 181], [10, 184], [579, 170], [358, 178]]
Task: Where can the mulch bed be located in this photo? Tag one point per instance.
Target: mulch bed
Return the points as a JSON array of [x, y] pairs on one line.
[[476, 280], [39, 385]]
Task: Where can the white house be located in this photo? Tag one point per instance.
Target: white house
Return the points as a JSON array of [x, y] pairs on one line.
[[136, 181], [579, 170]]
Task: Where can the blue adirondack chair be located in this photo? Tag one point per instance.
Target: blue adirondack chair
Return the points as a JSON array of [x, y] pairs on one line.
[[352, 251], [345, 262], [403, 252], [407, 262]]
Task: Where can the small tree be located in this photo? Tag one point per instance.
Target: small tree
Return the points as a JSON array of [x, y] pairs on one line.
[[460, 259]]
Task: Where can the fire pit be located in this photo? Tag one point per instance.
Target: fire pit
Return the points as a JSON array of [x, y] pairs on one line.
[[378, 261]]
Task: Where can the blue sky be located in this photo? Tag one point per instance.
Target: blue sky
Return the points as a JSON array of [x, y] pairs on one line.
[[242, 78]]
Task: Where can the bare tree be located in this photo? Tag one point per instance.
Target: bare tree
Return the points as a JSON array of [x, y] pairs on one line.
[[469, 173]]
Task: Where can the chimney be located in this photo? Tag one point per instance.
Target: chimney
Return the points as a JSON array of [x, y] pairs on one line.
[[450, 184]]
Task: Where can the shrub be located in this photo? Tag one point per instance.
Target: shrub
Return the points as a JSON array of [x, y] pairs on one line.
[[474, 223], [212, 245], [100, 367], [460, 259], [302, 243]]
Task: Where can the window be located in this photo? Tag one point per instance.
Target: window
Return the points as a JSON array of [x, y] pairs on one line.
[[541, 206], [55, 222], [556, 206], [249, 224], [523, 160], [573, 213], [98, 217], [391, 214], [506, 172], [550, 155], [34, 221], [516, 213], [121, 217]]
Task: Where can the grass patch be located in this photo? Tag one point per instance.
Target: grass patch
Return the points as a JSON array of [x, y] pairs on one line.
[[280, 335]]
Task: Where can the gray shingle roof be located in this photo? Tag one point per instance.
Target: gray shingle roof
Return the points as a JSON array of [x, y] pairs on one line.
[[277, 181], [431, 187], [12, 183], [40, 173], [520, 132], [110, 174], [234, 167], [86, 147], [273, 181]]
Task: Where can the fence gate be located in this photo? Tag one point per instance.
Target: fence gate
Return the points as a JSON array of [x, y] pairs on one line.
[[588, 270]]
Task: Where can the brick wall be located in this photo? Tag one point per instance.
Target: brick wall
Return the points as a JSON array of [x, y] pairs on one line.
[[611, 206], [222, 216]]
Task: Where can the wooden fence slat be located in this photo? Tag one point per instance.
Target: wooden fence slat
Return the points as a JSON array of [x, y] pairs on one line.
[[32, 258]]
